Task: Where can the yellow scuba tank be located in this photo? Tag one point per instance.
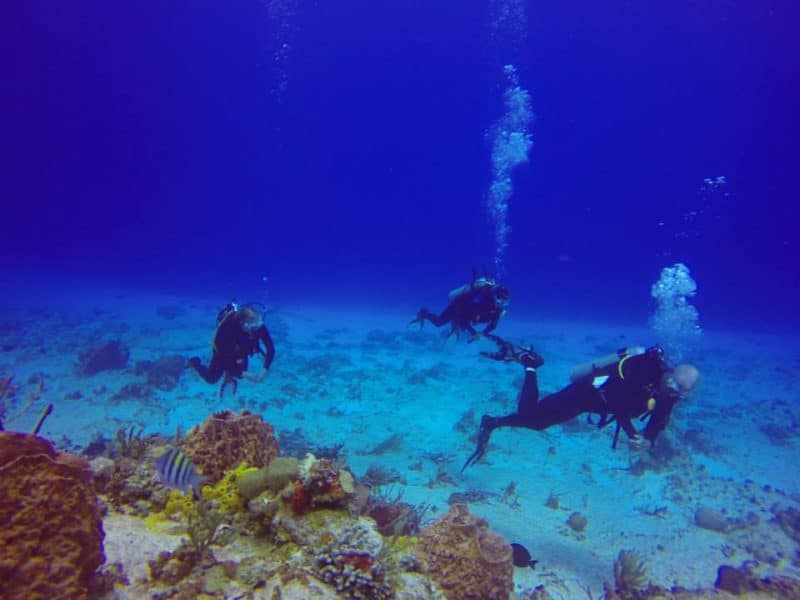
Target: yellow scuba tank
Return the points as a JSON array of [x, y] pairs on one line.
[[620, 356]]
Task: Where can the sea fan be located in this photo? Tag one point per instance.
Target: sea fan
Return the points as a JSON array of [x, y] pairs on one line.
[[629, 571]]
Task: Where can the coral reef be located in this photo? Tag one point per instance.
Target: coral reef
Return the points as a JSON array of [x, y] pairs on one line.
[[349, 564], [133, 392], [629, 571], [10, 394], [130, 443], [227, 439], [789, 521], [294, 443], [349, 555], [281, 471], [742, 580], [110, 356], [52, 534], [162, 373], [6, 390], [392, 516], [320, 484], [465, 558], [377, 475], [131, 480]]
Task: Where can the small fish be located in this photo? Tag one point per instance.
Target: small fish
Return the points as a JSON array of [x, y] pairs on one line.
[[176, 471], [522, 558]]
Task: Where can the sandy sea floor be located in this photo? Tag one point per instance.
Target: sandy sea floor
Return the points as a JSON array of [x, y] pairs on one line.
[[361, 379]]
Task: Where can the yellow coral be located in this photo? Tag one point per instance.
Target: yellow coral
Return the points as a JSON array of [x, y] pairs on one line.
[[178, 503], [225, 494]]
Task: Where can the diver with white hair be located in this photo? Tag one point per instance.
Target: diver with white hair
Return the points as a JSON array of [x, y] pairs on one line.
[[239, 335], [634, 383]]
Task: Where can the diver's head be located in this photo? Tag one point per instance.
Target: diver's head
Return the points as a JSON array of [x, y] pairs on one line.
[[250, 317], [683, 379], [502, 293]]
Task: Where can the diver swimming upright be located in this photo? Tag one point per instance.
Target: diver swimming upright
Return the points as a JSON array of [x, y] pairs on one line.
[[239, 334], [635, 383], [481, 301]]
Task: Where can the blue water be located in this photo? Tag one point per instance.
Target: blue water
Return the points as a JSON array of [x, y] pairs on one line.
[[177, 146]]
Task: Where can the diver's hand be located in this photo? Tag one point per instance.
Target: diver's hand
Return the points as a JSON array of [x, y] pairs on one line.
[[499, 356], [255, 377], [638, 443], [505, 350], [420, 318]]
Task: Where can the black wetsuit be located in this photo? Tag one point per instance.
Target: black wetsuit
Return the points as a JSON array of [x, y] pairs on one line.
[[232, 347], [476, 306], [633, 389]]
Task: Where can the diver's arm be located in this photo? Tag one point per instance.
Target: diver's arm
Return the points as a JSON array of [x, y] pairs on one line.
[[493, 323], [659, 417], [269, 346]]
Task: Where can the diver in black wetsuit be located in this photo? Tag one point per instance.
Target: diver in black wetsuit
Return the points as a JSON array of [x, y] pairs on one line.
[[634, 386], [480, 301], [239, 335]]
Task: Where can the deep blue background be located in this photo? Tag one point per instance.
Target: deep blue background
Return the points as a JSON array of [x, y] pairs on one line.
[[143, 142]]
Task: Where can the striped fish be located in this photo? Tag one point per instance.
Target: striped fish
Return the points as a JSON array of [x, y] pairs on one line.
[[176, 471]]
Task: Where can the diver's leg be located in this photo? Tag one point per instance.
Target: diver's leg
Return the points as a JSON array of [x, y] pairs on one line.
[[527, 405], [229, 380], [211, 373], [438, 320], [528, 400], [559, 407]]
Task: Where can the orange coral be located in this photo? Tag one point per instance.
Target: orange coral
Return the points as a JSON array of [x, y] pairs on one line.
[[226, 439], [465, 558], [51, 541], [321, 484], [300, 499]]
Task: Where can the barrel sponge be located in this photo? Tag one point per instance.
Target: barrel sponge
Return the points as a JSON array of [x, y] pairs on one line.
[[51, 541], [465, 558], [227, 439]]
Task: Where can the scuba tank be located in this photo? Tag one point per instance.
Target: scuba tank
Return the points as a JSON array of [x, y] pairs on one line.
[[588, 368], [475, 284]]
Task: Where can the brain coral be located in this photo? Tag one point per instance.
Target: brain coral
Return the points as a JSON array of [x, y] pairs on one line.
[[51, 539], [465, 558], [226, 439]]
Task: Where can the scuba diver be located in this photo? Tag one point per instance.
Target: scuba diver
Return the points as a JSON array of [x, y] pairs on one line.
[[482, 300], [236, 338], [632, 383]]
